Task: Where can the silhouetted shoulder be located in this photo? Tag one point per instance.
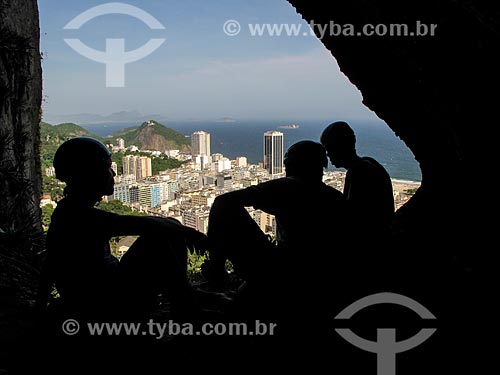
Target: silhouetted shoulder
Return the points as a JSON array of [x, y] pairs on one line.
[[71, 219], [289, 189], [368, 176], [334, 193], [368, 165]]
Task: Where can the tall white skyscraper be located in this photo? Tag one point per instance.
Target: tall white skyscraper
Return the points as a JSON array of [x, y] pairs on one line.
[[200, 143], [273, 152]]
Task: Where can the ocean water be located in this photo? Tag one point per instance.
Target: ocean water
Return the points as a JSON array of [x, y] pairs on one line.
[[245, 138]]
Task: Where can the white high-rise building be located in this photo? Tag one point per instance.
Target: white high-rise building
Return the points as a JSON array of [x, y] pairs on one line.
[[241, 161], [200, 162], [140, 166], [200, 143], [120, 143], [217, 157], [223, 164], [273, 152]]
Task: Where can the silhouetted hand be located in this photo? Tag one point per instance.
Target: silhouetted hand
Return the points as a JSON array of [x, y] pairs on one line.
[[196, 241]]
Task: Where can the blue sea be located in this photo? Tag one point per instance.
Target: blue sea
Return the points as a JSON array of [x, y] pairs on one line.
[[245, 138]]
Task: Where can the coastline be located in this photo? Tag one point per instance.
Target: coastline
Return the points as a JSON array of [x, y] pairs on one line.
[[405, 182], [398, 181]]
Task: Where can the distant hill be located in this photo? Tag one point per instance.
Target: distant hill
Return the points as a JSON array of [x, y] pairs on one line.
[[64, 131], [89, 118], [52, 136], [152, 135]]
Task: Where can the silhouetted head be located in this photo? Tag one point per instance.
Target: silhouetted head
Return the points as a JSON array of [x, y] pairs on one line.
[[305, 159], [340, 142], [85, 165]]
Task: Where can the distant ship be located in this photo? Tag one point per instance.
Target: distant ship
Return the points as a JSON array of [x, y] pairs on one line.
[[293, 126]]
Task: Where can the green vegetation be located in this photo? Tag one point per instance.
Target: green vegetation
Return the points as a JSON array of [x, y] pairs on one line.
[[118, 207], [53, 136], [52, 186], [195, 262], [47, 212], [65, 131], [411, 191], [163, 163]]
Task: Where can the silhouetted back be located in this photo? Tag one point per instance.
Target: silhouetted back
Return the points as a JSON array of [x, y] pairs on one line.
[[368, 186], [296, 277], [368, 189], [79, 255]]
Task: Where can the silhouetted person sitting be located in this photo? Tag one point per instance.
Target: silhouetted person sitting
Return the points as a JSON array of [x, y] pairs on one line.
[[368, 190], [368, 186], [92, 283], [310, 217]]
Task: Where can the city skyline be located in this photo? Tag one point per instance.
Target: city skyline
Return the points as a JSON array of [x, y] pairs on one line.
[[187, 193]]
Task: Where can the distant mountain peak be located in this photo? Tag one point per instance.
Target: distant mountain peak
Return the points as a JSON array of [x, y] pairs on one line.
[[89, 118], [151, 135], [151, 123]]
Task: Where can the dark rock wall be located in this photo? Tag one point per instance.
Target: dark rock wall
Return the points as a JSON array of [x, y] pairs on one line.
[[437, 93], [20, 103]]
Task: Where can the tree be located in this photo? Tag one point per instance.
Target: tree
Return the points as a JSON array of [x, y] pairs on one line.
[[118, 207], [54, 187], [47, 212]]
